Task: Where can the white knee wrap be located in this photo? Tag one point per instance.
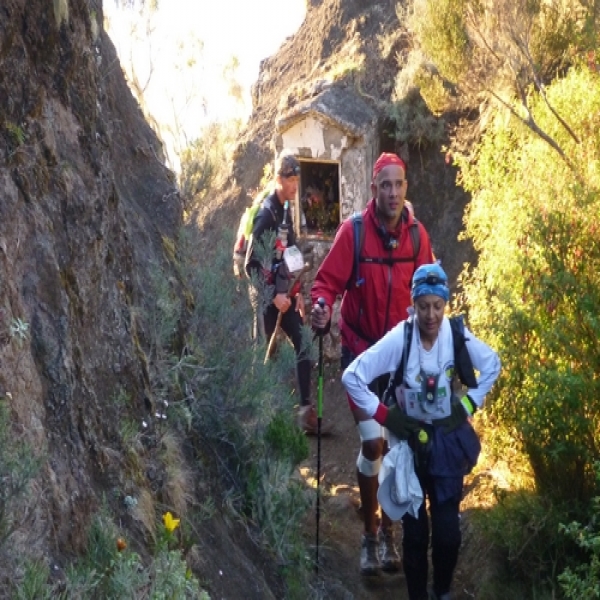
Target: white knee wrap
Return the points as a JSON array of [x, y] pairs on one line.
[[369, 430], [367, 467]]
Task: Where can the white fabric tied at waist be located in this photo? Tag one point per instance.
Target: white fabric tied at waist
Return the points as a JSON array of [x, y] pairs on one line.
[[399, 489]]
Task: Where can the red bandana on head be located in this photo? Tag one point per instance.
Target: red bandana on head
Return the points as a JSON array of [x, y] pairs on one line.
[[385, 160]]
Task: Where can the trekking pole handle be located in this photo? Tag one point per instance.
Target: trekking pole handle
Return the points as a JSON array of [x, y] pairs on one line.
[[321, 303]]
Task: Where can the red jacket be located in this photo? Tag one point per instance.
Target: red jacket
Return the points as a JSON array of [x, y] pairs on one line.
[[370, 310]]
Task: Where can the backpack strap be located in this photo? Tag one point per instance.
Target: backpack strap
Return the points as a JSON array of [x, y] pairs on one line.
[[398, 376], [357, 223], [415, 237], [379, 260], [462, 359], [266, 204]]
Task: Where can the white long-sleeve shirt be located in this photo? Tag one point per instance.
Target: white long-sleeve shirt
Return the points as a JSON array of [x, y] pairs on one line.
[[385, 356]]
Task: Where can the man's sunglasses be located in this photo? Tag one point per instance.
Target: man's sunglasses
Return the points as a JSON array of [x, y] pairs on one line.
[[430, 280], [293, 172]]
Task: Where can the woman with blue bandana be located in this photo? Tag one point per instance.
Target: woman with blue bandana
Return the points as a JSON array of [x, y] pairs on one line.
[[431, 412]]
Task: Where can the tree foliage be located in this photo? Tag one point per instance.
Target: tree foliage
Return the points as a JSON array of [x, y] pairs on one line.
[[536, 288], [205, 161], [500, 44], [419, 97], [505, 48]]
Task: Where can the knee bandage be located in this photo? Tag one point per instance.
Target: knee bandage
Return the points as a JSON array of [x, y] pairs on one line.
[[367, 467], [369, 430]]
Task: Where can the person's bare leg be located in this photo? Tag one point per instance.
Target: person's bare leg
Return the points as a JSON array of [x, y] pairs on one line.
[[369, 484], [367, 471]]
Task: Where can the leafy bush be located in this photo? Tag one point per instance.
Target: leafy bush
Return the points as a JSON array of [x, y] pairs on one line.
[[537, 286], [535, 291], [286, 440], [279, 505], [583, 580], [526, 526], [204, 162], [110, 570], [502, 45], [414, 122], [34, 583], [420, 77], [441, 31]]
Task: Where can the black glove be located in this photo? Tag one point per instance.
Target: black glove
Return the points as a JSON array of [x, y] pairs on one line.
[[399, 423], [456, 418]]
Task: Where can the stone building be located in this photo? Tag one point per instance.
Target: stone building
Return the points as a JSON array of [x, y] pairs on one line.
[[334, 135]]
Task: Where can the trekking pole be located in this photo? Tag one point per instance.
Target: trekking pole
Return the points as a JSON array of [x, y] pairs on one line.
[[271, 345], [321, 303]]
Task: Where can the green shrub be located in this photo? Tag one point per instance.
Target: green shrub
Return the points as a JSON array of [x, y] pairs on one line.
[[536, 288], [583, 580], [503, 42], [420, 95], [105, 571], [34, 584], [442, 34], [17, 135], [287, 441], [279, 505], [525, 526], [205, 161], [533, 295], [19, 465], [414, 122]]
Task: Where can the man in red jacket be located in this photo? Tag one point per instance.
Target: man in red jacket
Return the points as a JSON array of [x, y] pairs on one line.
[[371, 307]]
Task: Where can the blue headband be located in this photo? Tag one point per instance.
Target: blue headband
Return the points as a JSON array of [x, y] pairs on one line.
[[430, 280]]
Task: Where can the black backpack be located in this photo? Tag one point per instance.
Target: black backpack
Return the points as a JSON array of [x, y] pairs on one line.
[[462, 360], [359, 236]]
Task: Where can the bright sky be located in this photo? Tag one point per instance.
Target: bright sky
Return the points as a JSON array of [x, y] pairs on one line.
[[189, 45]]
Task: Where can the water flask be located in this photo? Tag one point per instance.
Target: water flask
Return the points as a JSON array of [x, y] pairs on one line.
[[282, 232]]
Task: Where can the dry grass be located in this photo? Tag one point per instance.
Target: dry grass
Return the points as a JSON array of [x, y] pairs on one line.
[[145, 512], [178, 486]]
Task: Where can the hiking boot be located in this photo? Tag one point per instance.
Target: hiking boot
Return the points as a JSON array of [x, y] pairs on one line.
[[388, 553], [308, 421], [369, 555]]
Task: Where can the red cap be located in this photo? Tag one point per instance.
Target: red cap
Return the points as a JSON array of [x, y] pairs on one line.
[[385, 160]]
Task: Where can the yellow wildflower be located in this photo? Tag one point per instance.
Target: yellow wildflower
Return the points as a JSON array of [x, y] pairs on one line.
[[170, 523]]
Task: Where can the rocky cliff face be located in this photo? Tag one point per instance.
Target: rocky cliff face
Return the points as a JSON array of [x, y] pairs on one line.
[[85, 203]]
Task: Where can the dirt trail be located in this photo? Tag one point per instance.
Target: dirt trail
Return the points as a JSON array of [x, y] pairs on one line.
[[340, 525]]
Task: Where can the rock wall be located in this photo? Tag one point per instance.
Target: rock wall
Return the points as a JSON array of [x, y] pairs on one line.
[[85, 203]]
